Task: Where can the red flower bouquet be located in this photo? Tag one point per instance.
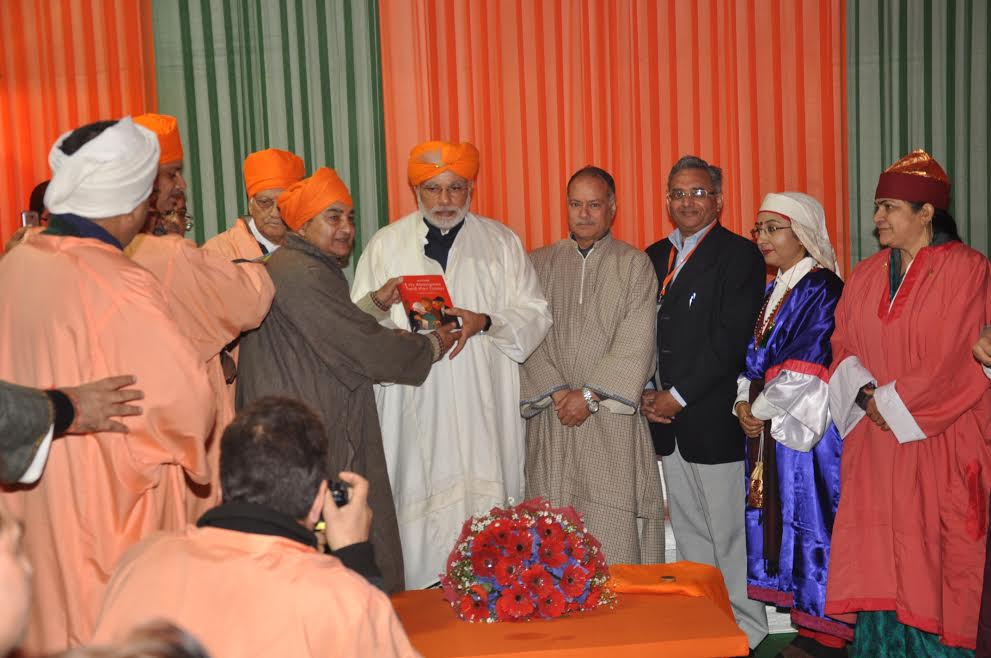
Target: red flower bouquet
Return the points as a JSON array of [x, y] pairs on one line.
[[526, 561]]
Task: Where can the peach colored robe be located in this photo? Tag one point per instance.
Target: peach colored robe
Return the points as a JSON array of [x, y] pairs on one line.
[[214, 301], [74, 310], [236, 242], [245, 595]]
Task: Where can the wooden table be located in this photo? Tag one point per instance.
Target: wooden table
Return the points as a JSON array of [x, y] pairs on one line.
[[639, 625]]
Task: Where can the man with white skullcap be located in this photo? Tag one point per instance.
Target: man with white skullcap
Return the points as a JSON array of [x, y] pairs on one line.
[[76, 309]]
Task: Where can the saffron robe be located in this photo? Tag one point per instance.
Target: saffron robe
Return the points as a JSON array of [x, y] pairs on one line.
[[317, 346], [793, 361], [75, 310], [235, 243], [910, 530], [455, 444], [243, 594], [214, 301], [604, 311]]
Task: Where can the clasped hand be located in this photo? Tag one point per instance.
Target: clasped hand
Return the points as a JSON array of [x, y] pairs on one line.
[[571, 407], [659, 406]]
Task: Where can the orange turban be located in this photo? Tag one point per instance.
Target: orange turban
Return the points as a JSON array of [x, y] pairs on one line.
[[167, 129], [432, 158], [916, 178], [309, 197], [271, 168]]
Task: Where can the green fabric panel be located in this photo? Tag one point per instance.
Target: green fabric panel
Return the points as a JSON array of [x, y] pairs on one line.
[[919, 76], [302, 75]]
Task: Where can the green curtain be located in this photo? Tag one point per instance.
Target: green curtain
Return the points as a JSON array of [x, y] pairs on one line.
[[301, 75], [919, 76]]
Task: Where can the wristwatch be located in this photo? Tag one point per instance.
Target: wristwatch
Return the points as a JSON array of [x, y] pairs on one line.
[[590, 402], [488, 323]]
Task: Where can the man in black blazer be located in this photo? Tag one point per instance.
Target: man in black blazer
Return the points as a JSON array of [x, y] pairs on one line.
[[711, 284]]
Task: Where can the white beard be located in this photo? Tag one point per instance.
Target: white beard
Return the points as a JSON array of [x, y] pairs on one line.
[[443, 224]]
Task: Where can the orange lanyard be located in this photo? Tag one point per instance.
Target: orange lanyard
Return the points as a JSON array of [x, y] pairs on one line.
[[670, 275]]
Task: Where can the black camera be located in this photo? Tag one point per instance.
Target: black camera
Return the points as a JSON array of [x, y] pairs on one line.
[[339, 491]]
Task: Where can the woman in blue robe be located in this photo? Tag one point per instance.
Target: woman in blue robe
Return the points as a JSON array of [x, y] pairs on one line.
[[793, 455]]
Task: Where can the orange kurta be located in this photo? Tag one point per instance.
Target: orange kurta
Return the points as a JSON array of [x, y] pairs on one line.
[[214, 301], [74, 310], [245, 595]]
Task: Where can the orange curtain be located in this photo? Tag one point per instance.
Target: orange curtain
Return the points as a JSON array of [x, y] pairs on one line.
[[64, 64], [543, 88]]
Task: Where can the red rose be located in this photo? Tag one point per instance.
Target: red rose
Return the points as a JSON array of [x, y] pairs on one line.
[[507, 571], [551, 604], [537, 580], [514, 603], [573, 580], [484, 562], [552, 553], [475, 604]]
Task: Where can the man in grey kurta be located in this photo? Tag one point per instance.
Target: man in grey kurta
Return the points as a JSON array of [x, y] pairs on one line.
[[586, 445], [317, 346]]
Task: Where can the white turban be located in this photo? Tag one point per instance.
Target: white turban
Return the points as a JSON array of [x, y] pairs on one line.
[[109, 175], [808, 221]]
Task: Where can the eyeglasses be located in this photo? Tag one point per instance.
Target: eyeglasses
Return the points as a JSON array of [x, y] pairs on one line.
[[184, 217], [454, 190], [264, 203], [694, 194], [769, 229]]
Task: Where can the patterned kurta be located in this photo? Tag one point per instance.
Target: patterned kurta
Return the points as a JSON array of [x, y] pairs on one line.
[[604, 308]]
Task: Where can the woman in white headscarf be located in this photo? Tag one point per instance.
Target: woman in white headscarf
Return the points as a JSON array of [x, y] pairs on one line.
[[793, 455]]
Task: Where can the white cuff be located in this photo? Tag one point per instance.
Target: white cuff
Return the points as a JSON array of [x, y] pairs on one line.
[[764, 410], [677, 396], [742, 391], [847, 380], [896, 414], [987, 371], [37, 466]]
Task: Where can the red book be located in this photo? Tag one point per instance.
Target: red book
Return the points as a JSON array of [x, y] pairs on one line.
[[426, 300]]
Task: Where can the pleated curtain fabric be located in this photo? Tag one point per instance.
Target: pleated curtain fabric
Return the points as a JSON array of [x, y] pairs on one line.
[[244, 75], [920, 77], [543, 88], [63, 65]]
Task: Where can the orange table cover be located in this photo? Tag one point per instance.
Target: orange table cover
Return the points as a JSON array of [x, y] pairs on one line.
[[687, 578], [640, 624]]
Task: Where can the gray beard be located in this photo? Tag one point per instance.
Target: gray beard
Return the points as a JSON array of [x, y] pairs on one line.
[[444, 224]]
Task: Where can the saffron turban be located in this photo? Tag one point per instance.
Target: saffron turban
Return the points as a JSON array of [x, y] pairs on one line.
[[434, 158], [916, 178], [309, 197], [808, 222], [167, 129], [271, 168], [109, 175]]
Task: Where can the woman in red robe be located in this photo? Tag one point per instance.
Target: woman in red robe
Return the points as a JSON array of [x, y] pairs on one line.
[[914, 408]]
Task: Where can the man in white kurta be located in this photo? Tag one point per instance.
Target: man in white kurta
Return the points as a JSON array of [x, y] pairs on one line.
[[454, 445]]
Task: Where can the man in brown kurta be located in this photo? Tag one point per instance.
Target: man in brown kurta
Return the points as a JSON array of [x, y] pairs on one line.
[[317, 346], [587, 446]]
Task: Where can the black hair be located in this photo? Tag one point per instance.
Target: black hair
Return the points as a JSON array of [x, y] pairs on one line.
[[595, 172], [274, 453], [944, 226], [80, 136], [695, 162]]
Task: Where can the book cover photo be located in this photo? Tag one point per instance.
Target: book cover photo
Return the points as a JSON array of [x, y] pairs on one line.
[[426, 300]]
